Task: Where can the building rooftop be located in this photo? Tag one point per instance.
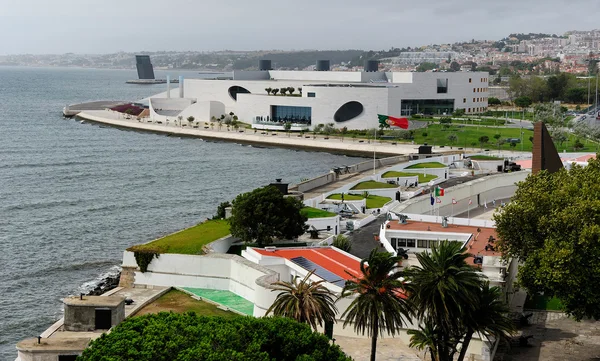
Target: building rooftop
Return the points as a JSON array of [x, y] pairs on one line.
[[53, 344], [476, 244], [94, 301], [328, 258]]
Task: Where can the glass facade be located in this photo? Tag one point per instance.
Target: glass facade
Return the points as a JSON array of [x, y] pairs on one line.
[[414, 243], [285, 113], [427, 106]]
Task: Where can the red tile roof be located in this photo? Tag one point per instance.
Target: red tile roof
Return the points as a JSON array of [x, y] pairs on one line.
[[328, 258], [475, 246]]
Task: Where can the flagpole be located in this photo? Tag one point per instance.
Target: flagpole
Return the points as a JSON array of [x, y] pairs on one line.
[[374, 150]]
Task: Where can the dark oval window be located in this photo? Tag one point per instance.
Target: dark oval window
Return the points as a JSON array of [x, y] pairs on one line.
[[348, 111], [235, 90]]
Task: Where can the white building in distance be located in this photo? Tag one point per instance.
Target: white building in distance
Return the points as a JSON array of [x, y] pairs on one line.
[[346, 99]]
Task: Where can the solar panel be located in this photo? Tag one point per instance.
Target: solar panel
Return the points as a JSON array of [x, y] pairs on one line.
[[319, 271]]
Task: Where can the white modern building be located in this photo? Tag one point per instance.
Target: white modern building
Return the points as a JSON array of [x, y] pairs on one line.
[[346, 99]]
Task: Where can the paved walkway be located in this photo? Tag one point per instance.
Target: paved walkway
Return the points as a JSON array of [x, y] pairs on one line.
[[224, 298], [388, 349], [274, 139]]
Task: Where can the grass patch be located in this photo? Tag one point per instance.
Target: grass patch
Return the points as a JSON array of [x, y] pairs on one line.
[[372, 185], [238, 248], [310, 212], [540, 302], [469, 137], [423, 178], [180, 302], [188, 241], [484, 157], [347, 197], [426, 165], [373, 201]]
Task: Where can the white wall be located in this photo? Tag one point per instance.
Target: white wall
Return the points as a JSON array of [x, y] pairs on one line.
[[383, 98], [323, 76], [323, 223], [204, 111], [213, 271], [497, 186]]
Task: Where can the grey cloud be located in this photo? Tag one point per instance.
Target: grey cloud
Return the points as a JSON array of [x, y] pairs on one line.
[[37, 26]]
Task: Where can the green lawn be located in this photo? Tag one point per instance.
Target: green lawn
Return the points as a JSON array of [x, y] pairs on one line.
[[484, 157], [372, 185], [539, 302], [311, 212], [347, 197], [423, 178], [426, 165], [469, 137], [188, 241], [373, 201], [180, 302]]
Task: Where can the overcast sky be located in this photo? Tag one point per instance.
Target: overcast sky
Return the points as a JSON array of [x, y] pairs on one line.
[[103, 26]]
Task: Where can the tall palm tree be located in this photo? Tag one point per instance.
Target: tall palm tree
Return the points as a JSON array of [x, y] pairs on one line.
[[488, 317], [444, 288], [304, 301], [379, 304]]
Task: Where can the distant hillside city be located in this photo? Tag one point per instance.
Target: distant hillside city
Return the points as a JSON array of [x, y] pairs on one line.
[[576, 52]]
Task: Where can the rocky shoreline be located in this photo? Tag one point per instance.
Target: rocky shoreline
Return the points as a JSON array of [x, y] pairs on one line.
[[106, 284]]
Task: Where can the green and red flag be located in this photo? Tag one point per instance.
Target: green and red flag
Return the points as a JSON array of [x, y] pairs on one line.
[[439, 192], [393, 121]]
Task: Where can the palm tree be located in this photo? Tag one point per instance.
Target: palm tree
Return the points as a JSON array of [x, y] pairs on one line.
[[425, 338], [304, 301], [488, 317], [379, 304], [442, 289]]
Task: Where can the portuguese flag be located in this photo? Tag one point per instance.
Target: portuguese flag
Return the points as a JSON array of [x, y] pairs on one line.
[[439, 192], [393, 121]]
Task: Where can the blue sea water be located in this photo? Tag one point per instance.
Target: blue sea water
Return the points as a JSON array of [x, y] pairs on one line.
[[74, 196]]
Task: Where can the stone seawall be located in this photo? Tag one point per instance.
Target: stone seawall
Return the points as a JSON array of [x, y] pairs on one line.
[[346, 146]]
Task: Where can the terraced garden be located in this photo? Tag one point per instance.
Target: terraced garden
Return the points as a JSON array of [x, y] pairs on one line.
[[188, 241], [373, 201], [423, 178]]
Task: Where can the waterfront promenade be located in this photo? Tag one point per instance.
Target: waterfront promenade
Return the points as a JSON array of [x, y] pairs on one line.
[[307, 142]]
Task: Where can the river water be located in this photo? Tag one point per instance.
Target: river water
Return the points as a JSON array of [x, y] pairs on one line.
[[74, 196]]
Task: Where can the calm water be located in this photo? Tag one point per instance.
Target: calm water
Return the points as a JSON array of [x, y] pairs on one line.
[[74, 196]]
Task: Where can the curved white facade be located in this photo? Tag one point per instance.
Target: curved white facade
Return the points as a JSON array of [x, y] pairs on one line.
[[324, 93]]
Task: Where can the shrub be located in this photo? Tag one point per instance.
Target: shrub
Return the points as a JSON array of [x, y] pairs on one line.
[[342, 242], [221, 210], [179, 337]]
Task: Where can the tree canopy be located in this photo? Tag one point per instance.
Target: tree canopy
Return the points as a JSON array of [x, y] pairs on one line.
[[264, 213], [189, 337], [305, 301], [452, 302], [378, 305], [552, 225]]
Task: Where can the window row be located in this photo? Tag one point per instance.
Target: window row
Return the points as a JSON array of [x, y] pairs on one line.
[[414, 243], [480, 90], [483, 80], [476, 100], [477, 110]]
